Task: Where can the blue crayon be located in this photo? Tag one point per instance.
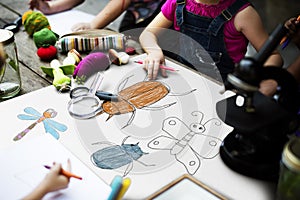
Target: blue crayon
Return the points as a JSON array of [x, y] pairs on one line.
[[116, 186]]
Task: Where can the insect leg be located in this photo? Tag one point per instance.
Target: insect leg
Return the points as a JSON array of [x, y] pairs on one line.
[[128, 169], [130, 120], [146, 165]]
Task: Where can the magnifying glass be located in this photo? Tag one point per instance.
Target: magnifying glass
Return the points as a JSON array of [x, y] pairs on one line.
[[14, 26], [102, 95], [86, 105]]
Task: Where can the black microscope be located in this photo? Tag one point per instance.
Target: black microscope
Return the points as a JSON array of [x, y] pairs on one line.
[[262, 125]]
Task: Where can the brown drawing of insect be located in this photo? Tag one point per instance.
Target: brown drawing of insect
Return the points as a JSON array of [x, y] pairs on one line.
[[138, 96]]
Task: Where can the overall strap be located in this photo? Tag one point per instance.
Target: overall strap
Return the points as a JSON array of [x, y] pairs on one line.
[[225, 16], [179, 11]]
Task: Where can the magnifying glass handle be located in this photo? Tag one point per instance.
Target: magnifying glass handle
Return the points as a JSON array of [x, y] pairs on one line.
[[96, 83], [107, 96]]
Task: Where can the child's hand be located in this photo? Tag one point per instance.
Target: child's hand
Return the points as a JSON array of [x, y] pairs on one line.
[[81, 26], [293, 25], [152, 64], [268, 87], [54, 180]]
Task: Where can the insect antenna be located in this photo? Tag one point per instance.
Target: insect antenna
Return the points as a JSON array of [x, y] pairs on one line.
[[123, 142], [198, 113], [217, 121], [182, 94], [123, 83]]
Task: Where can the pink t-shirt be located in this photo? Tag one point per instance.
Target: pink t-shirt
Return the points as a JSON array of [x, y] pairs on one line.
[[236, 43]]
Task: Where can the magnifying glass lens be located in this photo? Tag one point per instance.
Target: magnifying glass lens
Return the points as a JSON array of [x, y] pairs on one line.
[[84, 107], [80, 91]]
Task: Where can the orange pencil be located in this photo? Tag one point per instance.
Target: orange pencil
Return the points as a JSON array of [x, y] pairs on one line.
[[66, 173]]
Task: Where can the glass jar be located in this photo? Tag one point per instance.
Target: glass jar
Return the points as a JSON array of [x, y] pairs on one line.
[[10, 79], [289, 181]]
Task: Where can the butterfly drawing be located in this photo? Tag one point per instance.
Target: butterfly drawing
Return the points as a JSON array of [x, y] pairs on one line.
[[190, 144], [50, 125]]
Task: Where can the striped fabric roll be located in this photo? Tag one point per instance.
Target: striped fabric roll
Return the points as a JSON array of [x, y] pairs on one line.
[[84, 44]]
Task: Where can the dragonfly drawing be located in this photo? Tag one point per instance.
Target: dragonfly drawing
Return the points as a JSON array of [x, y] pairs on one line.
[[50, 126]]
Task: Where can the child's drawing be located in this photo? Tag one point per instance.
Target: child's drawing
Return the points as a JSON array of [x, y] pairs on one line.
[[116, 156], [140, 95], [50, 126], [182, 147]]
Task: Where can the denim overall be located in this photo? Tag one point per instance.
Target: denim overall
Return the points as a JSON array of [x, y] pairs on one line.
[[204, 49]]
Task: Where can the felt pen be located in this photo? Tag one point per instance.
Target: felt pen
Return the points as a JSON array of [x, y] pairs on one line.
[[161, 66], [285, 41], [116, 186], [66, 173], [125, 185]]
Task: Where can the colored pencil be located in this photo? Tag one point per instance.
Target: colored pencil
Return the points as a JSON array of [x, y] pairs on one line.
[[161, 66], [66, 173]]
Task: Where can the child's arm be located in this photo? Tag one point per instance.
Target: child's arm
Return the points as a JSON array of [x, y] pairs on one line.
[[148, 41], [109, 13], [250, 24], [51, 7]]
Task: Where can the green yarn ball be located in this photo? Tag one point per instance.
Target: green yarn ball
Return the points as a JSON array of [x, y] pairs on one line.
[[35, 21], [44, 37]]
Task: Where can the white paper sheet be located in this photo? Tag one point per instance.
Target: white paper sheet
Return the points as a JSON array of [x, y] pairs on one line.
[[61, 23], [22, 169]]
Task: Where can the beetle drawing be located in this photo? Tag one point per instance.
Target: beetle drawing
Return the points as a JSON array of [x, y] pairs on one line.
[[116, 156], [138, 96], [204, 146]]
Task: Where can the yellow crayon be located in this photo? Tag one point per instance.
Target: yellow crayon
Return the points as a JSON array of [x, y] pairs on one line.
[[125, 185]]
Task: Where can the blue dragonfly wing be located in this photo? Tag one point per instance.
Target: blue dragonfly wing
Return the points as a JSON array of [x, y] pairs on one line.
[[50, 130], [32, 111], [56, 125], [27, 117]]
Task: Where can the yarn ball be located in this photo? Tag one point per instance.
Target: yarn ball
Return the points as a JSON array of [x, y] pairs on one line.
[[47, 53], [91, 64], [44, 37], [34, 21]]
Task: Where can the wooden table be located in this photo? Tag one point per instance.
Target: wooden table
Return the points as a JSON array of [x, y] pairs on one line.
[[33, 78]]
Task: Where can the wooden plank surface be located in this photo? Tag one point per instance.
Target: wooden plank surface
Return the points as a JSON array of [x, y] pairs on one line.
[[33, 78]]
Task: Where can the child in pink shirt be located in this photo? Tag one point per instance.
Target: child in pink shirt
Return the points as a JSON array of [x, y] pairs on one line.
[[222, 27]]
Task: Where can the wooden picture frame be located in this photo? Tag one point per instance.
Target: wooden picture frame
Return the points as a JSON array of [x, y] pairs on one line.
[[162, 192]]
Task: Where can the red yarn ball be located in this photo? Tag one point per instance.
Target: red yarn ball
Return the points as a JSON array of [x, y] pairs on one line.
[[47, 53]]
